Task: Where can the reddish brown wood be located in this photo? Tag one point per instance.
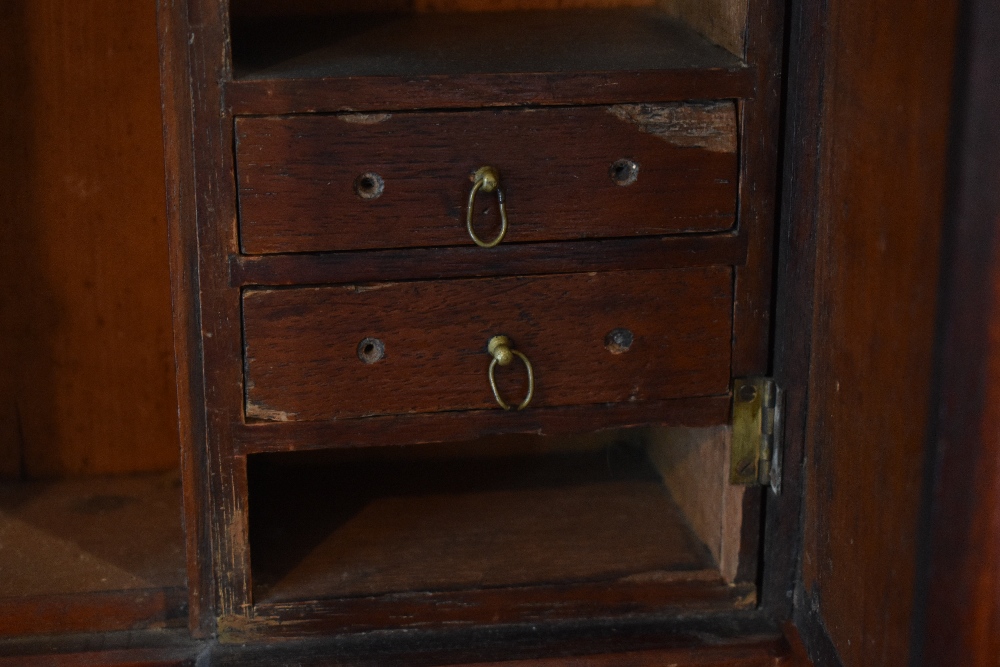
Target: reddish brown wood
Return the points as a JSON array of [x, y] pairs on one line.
[[438, 427], [302, 345], [286, 96], [488, 606], [87, 385], [211, 210], [298, 176], [504, 259], [879, 206], [961, 620], [93, 612], [184, 286], [137, 657]]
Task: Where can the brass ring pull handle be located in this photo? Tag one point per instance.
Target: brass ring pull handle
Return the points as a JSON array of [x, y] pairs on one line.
[[486, 179], [500, 349]]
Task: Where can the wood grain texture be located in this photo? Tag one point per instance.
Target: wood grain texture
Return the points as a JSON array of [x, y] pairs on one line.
[[444, 426], [694, 464], [415, 519], [530, 604], [302, 359], [298, 176], [94, 612], [461, 91], [880, 203], [85, 335], [502, 260], [960, 623]]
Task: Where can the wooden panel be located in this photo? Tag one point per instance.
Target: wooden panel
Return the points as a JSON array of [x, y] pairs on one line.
[[298, 176], [87, 385], [302, 345], [694, 464], [879, 206], [961, 620]]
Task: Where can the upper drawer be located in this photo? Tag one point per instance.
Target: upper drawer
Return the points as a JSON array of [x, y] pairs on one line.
[[565, 173], [317, 353]]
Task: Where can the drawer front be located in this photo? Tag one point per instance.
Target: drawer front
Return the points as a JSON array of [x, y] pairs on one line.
[[564, 173], [323, 353]]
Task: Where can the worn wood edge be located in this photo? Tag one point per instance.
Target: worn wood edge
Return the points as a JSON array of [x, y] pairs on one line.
[[793, 317], [819, 647], [753, 281], [468, 425], [472, 262], [376, 93], [178, 138], [488, 607], [102, 611]]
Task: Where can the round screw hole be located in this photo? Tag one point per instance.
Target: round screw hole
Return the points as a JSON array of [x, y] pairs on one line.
[[618, 341], [748, 393], [369, 185], [371, 350], [624, 172]]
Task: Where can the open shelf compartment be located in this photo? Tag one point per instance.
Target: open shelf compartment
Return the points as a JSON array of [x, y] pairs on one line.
[[614, 511]]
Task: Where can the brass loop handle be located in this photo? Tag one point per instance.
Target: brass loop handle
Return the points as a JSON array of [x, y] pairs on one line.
[[500, 349], [486, 179]]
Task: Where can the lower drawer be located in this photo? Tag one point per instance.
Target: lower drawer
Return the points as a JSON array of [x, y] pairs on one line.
[[322, 353]]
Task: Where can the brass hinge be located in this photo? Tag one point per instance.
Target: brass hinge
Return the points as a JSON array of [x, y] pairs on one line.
[[755, 454]]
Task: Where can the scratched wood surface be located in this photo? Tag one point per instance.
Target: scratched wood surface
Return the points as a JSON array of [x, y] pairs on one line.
[[85, 339], [302, 345], [299, 189]]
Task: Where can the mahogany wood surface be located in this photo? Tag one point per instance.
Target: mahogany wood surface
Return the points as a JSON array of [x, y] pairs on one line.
[[298, 176], [443, 426], [534, 604], [219, 478], [87, 385], [303, 360], [449, 91], [99, 611], [961, 619], [502, 260], [879, 202]]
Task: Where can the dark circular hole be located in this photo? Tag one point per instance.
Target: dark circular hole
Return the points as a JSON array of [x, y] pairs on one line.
[[624, 172], [369, 185], [371, 350], [619, 340]]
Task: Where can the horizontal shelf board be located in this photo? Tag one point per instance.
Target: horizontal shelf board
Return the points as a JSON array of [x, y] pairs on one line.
[[493, 607], [505, 259], [467, 425], [413, 45], [97, 554], [291, 96]]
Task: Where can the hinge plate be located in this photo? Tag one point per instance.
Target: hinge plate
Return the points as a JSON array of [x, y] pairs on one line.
[[755, 454]]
